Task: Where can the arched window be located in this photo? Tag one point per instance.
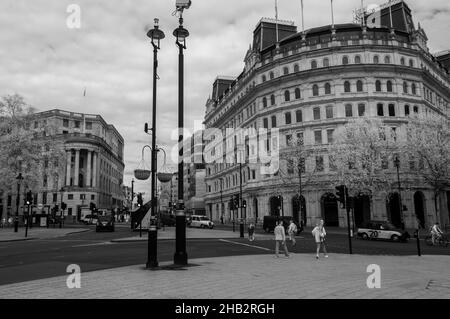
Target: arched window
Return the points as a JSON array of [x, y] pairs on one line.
[[274, 121], [357, 59], [389, 86], [376, 59], [287, 96], [313, 64], [327, 88], [407, 110], [345, 60], [416, 109], [347, 87], [263, 78], [264, 102], [315, 90], [286, 70], [405, 87], [378, 86], [387, 59], [272, 99], [299, 116], [414, 89], [359, 86], [402, 61], [271, 75], [326, 62], [296, 68], [316, 113], [297, 93], [287, 118], [411, 63]]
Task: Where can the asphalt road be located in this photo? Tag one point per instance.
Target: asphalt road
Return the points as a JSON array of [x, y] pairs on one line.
[[38, 259]]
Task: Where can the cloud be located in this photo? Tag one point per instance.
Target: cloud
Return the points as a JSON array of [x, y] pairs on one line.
[[50, 64]]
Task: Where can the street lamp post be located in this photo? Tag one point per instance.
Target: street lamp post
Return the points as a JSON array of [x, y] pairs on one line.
[[221, 201], [156, 35], [300, 194], [241, 206], [397, 165], [16, 219], [180, 257]]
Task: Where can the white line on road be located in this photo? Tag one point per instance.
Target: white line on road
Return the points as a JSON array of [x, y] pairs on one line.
[[237, 243], [96, 244]]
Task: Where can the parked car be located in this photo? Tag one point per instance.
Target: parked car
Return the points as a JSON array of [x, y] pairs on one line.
[[270, 222], [105, 223], [90, 219], [201, 221], [382, 230]]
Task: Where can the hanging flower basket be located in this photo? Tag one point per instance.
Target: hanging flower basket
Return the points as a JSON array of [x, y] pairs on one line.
[[164, 177], [142, 174]]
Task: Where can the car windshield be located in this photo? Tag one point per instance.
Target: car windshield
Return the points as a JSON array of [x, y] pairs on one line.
[[104, 218], [204, 218], [388, 226]]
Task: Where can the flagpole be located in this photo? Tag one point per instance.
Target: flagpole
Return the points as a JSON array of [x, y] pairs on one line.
[[303, 18], [276, 18], [363, 20], [390, 15], [332, 15]]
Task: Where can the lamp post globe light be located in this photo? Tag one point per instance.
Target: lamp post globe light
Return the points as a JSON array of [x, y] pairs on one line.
[[156, 35], [19, 179], [180, 257]]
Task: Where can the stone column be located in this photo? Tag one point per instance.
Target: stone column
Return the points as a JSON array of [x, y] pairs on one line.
[[89, 163], [77, 167], [94, 169], [68, 167]]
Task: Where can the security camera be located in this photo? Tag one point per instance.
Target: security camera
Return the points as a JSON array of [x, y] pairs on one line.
[[183, 4]]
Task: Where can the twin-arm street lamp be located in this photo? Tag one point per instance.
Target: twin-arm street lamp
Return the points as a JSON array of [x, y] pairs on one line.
[[156, 35], [180, 257]]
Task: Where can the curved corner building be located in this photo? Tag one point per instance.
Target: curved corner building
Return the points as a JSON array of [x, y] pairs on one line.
[[309, 84]]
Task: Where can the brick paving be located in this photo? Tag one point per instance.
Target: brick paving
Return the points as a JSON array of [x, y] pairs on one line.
[[256, 277]]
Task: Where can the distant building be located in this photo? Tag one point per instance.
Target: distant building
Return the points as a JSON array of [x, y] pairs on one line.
[[94, 165]]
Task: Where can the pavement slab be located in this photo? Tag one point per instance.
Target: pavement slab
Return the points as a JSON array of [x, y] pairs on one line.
[[261, 276], [8, 234]]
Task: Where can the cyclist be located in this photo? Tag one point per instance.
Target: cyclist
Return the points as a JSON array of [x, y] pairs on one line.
[[436, 233]]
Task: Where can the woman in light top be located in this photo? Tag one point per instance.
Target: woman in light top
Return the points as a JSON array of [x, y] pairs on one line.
[[319, 235]]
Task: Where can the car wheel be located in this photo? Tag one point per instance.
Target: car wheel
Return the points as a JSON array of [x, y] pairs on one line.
[[365, 236], [395, 238]]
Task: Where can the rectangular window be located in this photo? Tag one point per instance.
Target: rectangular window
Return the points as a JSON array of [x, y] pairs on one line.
[[380, 111], [55, 197], [391, 110], [88, 125], [70, 197], [66, 123], [330, 136], [300, 140], [69, 211], [348, 110], [77, 124], [361, 109], [318, 137], [82, 196], [329, 112], [253, 174], [316, 112], [319, 164], [44, 198]]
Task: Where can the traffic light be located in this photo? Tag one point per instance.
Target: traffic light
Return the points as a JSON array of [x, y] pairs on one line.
[[244, 203], [236, 201], [63, 206], [342, 194], [29, 198], [231, 204], [92, 206], [140, 200], [146, 128], [56, 208]]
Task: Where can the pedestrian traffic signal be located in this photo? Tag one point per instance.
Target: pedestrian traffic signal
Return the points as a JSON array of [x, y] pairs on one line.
[[232, 204], [244, 203], [63, 206], [29, 198], [140, 201], [236, 201], [342, 194], [146, 128], [92, 206]]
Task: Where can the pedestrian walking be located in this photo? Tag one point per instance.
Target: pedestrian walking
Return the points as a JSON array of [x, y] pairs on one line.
[[292, 231], [280, 239], [251, 232], [319, 235]]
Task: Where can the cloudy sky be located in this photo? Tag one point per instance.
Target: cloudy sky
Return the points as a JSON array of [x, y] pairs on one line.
[[51, 64]]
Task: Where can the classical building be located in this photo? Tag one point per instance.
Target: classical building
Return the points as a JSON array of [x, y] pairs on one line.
[[194, 175], [309, 84], [93, 169]]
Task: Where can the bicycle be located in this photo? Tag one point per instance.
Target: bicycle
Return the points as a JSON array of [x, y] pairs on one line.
[[442, 241]]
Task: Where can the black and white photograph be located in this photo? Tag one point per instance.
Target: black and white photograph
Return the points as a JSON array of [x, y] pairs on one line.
[[224, 156]]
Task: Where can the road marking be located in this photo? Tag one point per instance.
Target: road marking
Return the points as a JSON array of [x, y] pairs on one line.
[[96, 244], [237, 243]]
